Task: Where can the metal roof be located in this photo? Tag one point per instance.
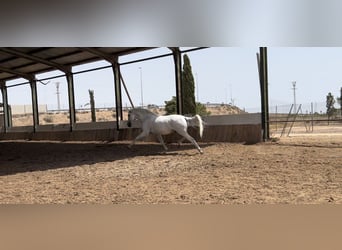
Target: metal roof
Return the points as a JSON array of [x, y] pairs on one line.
[[25, 62]]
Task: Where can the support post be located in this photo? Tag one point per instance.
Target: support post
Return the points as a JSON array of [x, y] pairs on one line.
[[7, 122], [263, 77], [312, 117], [126, 90], [35, 112], [177, 56], [118, 95], [71, 96]]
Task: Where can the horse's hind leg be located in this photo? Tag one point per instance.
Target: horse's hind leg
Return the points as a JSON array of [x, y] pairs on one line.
[[190, 139]]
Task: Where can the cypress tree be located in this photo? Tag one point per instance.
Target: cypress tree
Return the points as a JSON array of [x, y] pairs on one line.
[[92, 105], [170, 106], [188, 82], [330, 105], [190, 107]]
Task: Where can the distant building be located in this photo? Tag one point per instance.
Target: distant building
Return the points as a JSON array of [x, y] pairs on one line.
[[27, 109]]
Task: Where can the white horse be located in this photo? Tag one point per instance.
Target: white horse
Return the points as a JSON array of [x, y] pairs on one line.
[[164, 124]]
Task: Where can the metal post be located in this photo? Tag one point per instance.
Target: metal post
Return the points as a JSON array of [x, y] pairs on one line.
[[118, 96], [71, 96], [276, 117], [33, 84], [266, 111], [312, 117], [126, 90], [178, 71], [263, 77], [5, 106]]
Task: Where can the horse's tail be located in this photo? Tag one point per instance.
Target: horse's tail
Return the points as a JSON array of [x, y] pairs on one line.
[[198, 123]]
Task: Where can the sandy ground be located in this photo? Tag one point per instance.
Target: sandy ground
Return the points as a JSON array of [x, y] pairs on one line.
[[292, 170]]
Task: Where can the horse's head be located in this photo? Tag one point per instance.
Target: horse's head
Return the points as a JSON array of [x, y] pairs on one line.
[[129, 123], [138, 114], [131, 117]]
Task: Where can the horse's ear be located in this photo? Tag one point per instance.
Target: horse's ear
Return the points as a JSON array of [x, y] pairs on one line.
[[130, 109]]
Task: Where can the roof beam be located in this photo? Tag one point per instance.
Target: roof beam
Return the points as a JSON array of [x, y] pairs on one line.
[[111, 57], [36, 59], [17, 73], [134, 50], [105, 56]]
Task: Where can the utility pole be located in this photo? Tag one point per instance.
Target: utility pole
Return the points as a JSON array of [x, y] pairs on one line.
[[58, 96], [341, 100], [197, 88], [231, 95], [294, 96], [141, 88]]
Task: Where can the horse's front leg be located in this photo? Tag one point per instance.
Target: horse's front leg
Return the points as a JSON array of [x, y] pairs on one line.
[[138, 138], [161, 140]]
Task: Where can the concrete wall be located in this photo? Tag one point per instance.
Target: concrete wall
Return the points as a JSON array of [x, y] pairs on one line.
[[228, 128], [241, 119]]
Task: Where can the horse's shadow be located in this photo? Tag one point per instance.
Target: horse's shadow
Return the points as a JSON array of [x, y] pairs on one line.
[[28, 156], [145, 149]]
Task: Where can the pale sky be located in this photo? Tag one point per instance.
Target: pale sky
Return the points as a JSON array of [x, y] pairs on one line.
[[222, 75]]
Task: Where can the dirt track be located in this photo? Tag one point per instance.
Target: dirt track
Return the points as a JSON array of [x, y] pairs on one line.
[[297, 170]]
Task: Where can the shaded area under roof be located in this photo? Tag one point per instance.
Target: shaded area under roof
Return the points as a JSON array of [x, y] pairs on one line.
[[24, 62]]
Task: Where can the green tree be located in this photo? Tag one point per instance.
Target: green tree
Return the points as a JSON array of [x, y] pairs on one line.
[[339, 100], [92, 105], [201, 109], [330, 104], [171, 106], [188, 83], [190, 107]]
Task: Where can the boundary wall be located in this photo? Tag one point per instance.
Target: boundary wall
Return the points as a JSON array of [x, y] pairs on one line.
[[221, 128]]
